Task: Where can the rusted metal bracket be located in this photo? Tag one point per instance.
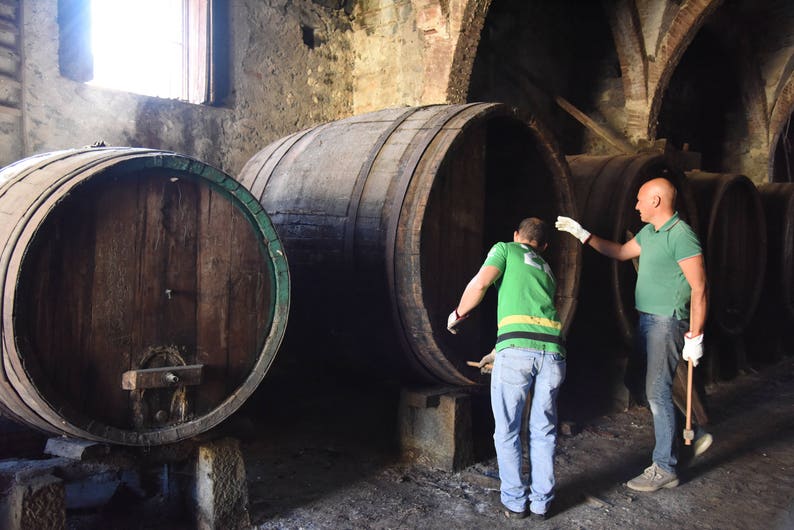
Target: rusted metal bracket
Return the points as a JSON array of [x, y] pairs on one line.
[[162, 377]]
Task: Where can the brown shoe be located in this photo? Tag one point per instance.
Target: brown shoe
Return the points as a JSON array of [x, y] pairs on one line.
[[510, 514], [652, 479]]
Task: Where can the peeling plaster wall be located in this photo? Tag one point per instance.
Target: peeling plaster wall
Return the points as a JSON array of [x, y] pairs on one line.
[[389, 63], [279, 85]]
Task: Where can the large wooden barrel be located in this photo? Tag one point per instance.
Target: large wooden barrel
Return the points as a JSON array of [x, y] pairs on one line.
[[387, 215], [606, 190], [778, 204], [145, 294], [733, 233]]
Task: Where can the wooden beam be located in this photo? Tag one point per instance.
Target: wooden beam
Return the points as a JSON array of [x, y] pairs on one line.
[[620, 144], [163, 377]]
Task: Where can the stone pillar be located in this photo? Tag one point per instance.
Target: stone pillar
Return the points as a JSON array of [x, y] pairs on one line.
[[34, 503], [436, 427], [221, 491]]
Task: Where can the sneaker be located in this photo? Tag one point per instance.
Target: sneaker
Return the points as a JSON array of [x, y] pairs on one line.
[[652, 479], [702, 444], [510, 514]]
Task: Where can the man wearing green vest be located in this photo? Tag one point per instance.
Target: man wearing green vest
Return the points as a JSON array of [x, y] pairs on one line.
[[529, 350], [670, 296]]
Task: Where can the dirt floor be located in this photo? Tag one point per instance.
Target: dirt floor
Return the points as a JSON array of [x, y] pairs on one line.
[[333, 464], [322, 456]]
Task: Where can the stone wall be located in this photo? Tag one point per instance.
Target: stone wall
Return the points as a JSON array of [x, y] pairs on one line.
[[280, 84], [297, 63]]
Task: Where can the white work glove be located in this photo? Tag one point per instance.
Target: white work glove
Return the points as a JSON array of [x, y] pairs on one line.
[[486, 363], [693, 348], [566, 224], [453, 320]]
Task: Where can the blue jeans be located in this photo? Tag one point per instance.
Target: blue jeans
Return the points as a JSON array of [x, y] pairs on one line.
[[514, 372], [660, 339]]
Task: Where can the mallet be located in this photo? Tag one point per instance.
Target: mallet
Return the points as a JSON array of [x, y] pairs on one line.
[[689, 434]]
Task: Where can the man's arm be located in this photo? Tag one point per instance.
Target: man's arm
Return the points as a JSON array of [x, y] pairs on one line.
[[695, 273], [472, 295], [476, 288], [628, 250]]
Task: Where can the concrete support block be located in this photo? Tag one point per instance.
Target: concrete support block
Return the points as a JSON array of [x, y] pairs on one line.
[[436, 427], [35, 503], [221, 492], [75, 449]]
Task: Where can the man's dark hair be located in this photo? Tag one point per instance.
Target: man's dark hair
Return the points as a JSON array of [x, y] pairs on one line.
[[533, 229]]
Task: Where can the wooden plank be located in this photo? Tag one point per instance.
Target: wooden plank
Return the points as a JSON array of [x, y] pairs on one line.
[[163, 377], [115, 315], [168, 263], [212, 297], [250, 293]]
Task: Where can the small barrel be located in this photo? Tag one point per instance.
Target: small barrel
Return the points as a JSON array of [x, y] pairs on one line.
[[387, 215], [778, 204], [733, 234], [145, 294], [606, 190]]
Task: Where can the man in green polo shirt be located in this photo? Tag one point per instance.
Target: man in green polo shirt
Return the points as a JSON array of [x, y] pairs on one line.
[[529, 350], [670, 296]]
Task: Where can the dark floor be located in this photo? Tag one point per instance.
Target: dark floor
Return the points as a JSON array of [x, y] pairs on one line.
[[325, 456]]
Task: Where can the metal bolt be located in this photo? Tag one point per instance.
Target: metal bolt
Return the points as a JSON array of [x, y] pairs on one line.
[[169, 293], [161, 416], [171, 378]]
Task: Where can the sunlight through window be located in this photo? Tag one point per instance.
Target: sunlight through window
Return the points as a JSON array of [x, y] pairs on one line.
[[140, 46]]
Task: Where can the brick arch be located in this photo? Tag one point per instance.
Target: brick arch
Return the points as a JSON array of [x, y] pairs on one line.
[[780, 113], [630, 47], [646, 73], [679, 35], [472, 24]]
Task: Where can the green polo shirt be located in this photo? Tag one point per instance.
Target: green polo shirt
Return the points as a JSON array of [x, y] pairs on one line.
[[527, 317], [662, 288]]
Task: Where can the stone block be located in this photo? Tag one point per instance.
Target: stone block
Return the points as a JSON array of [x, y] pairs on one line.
[[436, 428], [220, 492], [75, 449], [36, 503]]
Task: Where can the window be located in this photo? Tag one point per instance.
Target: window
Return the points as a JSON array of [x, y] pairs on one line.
[[163, 48]]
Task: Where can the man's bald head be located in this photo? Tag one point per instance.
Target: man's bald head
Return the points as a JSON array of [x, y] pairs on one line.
[[662, 188], [655, 201]]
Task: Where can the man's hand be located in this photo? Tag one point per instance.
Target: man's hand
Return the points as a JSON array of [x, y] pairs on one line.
[[453, 320], [693, 348], [566, 224], [486, 363]]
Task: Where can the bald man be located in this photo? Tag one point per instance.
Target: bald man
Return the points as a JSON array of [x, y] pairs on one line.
[[670, 297]]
